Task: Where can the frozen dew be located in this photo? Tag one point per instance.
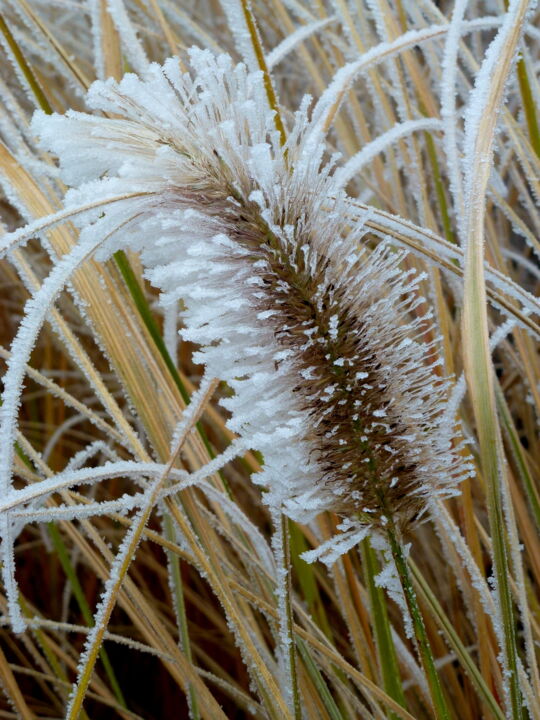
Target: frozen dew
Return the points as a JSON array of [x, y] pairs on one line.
[[332, 379], [294, 39], [251, 237]]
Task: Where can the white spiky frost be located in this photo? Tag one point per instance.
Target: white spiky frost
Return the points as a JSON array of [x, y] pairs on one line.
[[185, 252], [204, 150]]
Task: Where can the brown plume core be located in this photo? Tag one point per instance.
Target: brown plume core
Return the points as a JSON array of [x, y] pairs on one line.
[[364, 459], [357, 432]]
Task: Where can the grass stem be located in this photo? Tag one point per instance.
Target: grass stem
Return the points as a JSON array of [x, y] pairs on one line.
[[180, 609], [424, 648], [383, 632], [286, 617]]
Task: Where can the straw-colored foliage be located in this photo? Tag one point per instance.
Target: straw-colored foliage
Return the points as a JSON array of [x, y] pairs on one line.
[[153, 552]]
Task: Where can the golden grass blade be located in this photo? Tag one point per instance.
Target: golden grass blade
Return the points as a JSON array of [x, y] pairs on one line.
[[126, 554], [11, 687], [110, 43], [477, 357], [68, 399], [407, 234]]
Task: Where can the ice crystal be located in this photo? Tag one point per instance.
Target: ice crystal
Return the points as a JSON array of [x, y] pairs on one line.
[[324, 343]]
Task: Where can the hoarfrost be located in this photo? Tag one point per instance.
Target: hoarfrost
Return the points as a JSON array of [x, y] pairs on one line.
[[331, 550], [294, 39], [389, 579], [153, 154], [130, 42], [372, 149]]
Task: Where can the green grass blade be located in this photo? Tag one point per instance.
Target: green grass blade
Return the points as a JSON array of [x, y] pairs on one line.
[[455, 643], [529, 105], [69, 570], [305, 574], [25, 68], [517, 450], [180, 608], [383, 634], [318, 681], [426, 656]]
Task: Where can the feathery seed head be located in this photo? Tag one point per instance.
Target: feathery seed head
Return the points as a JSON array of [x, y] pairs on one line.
[[322, 342]]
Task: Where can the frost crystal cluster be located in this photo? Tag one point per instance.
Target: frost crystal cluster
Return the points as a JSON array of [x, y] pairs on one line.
[[323, 343]]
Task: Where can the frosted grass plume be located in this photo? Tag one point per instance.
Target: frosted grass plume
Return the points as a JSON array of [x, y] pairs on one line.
[[322, 341]]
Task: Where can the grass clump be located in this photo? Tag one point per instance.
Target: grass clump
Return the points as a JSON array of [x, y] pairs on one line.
[[336, 206]]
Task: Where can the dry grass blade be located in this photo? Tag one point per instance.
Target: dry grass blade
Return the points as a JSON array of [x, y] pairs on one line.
[[478, 365], [121, 565]]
